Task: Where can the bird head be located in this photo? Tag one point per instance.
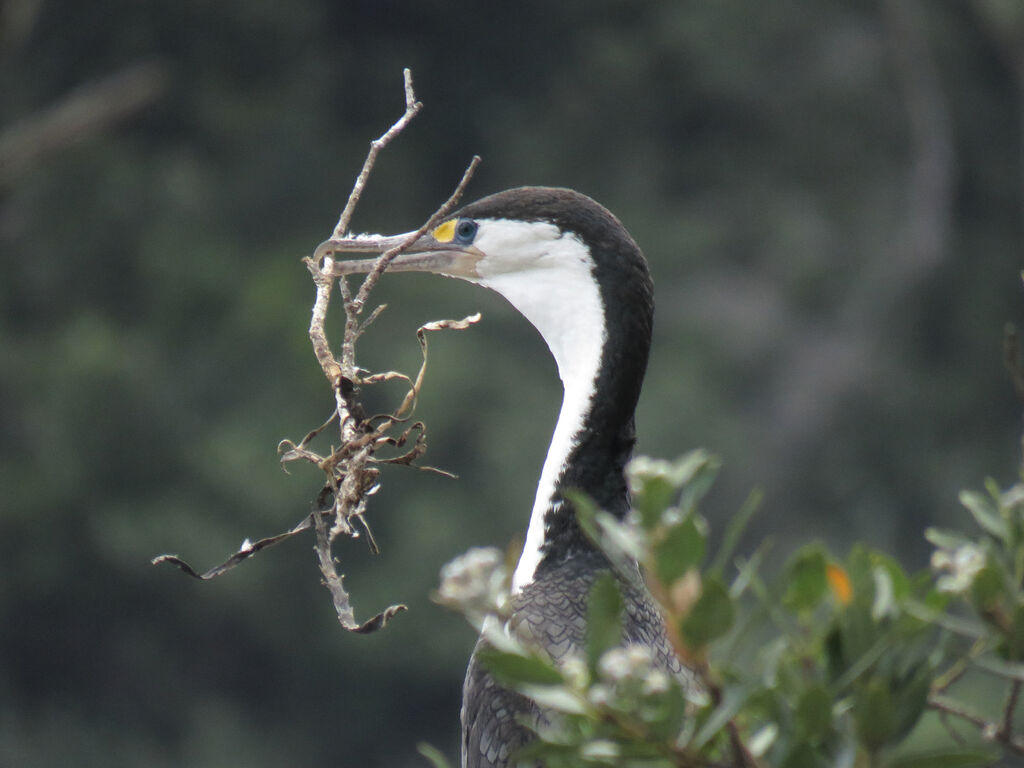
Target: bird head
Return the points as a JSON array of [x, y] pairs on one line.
[[556, 255], [570, 267]]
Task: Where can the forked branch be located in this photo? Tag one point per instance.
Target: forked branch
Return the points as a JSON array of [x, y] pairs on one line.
[[350, 469]]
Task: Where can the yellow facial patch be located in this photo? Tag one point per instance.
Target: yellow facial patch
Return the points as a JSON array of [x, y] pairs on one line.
[[445, 233]]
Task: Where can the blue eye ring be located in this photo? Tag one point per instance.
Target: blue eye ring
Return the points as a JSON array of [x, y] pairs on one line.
[[465, 231]]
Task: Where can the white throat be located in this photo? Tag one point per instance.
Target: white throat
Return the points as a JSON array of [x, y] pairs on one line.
[[548, 276]]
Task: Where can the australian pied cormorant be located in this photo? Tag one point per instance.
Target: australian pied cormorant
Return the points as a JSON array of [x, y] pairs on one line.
[[569, 266]]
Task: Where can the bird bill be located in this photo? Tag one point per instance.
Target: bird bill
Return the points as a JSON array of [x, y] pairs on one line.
[[411, 254]]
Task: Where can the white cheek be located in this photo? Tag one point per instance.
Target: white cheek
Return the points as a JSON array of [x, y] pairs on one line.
[[515, 246], [549, 278], [553, 286]]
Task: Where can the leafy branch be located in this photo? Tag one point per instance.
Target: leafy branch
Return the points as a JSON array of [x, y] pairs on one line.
[[835, 661]]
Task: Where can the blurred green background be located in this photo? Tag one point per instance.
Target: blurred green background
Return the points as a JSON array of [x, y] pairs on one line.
[[830, 196]]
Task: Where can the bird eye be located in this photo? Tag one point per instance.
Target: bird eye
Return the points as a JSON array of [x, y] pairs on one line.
[[465, 231]]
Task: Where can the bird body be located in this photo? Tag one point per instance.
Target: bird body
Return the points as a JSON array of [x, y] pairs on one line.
[[549, 613], [569, 266]]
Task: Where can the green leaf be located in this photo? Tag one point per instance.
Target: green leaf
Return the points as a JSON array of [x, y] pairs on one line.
[[936, 601], [746, 570], [549, 748], [874, 714], [814, 712], [697, 488], [762, 740], [860, 568], [1007, 669], [945, 539], [514, 669], [586, 511], [835, 657], [989, 588], [802, 755], [555, 697], [711, 616], [884, 603], [985, 514], [734, 530], [901, 587], [954, 758], [1014, 638], [1011, 497], [681, 549], [806, 578], [733, 700], [655, 497], [604, 618], [432, 754], [911, 697], [654, 484], [621, 541], [960, 626], [859, 663]]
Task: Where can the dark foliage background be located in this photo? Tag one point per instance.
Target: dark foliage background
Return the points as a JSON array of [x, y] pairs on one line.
[[829, 193]]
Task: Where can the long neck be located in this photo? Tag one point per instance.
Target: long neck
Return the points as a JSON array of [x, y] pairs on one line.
[[549, 505], [592, 442], [601, 366]]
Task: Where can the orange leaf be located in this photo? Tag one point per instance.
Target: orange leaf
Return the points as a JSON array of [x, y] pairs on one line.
[[839, 583]]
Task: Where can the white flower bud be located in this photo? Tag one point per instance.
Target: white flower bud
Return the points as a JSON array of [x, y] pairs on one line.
[[575, 671], [600, 749], [958, 567], [600, 695], [639, 656], [656, 681], [614, 665], [475, 582]]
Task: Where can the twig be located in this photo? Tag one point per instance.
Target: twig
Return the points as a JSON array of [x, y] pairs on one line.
[[743, 758], [333, 581], [332, 369], [953, 707], [959, 668], [350, 474], [947, 723], [412, 108], [447, 207], [989, 730], [1006, 729], [322, 350]]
